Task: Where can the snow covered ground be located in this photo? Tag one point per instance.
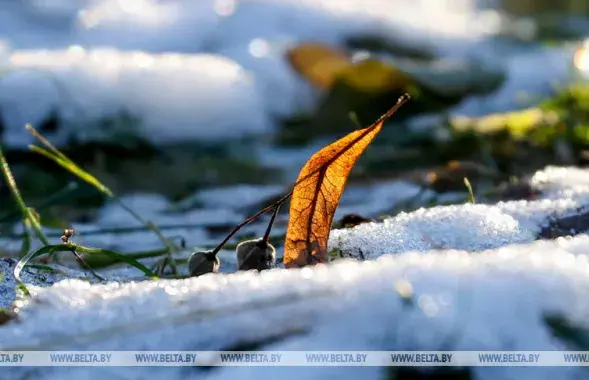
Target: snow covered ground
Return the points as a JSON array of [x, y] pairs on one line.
[[193, 218], [406, 296], [472, 227], [214, 69]]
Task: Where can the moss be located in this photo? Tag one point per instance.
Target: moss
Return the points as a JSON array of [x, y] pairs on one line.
[[518, 123]]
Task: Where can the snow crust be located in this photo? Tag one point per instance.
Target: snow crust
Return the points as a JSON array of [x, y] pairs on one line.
[[484, 301], [471, 227], [465, 297]]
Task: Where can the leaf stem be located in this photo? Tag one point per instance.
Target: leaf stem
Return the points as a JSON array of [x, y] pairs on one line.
[[266, 237]]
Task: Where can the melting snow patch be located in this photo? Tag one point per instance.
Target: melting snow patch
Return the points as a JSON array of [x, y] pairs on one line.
[[380, 197], [523, 76], [113, 213], [174, 96], [179, 96], [236, 197]]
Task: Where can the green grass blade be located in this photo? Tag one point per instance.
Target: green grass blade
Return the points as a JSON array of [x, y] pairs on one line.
[[101, 261], [26, 212], [62, 160], [26, 241], [119, 256], [471, 198], [23, 261], [50, 200], [74, 169], [46, 142], [68, 248]]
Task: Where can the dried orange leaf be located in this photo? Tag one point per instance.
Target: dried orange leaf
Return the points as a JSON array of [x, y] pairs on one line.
[[318, 63], [318, 191]]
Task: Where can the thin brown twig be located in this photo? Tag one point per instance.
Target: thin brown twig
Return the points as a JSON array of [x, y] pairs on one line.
[[251, 219], [266, 237], [402, 100]]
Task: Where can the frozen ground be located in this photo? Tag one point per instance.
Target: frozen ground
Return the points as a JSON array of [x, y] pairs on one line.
[[205, 218], [406, 296], [457, 277], [210, 70]]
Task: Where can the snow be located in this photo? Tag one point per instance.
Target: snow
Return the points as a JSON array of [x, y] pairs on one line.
[[491, 288], [235, 197], [465, 227], [205, 217], [159, 24], [209, 69], [148, 205], [331, 303], [523, 86], [373, 199], [175, 96], [38, 278], [154, 207], [471, 227], [156, 25]]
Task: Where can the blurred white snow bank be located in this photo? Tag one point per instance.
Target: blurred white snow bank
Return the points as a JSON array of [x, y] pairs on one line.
[[186, 25], [213, 69], [496, 299], [175, 96]]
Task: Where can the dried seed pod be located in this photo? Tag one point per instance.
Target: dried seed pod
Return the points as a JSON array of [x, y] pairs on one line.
[[255, 254], [67, 235], [203, 262]]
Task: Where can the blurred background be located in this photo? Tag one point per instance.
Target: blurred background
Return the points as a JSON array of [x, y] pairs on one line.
[[197, 113]]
